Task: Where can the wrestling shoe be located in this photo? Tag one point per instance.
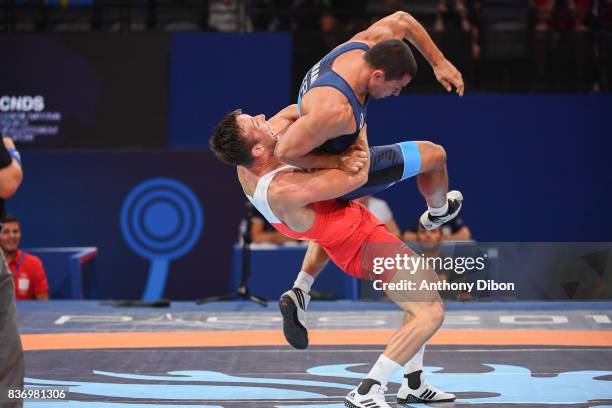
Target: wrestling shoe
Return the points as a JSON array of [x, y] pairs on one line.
[[293, 304], [455, 200], [415, 389], [369, 394]]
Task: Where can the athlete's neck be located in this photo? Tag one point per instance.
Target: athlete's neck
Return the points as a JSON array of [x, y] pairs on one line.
[[263, 165], [357, 78], [249, 176], [361, 81]]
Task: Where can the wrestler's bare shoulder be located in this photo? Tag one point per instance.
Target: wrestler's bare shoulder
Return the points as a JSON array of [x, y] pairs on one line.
[[326, 101]]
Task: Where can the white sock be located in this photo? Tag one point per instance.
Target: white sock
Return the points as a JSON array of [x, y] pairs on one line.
[[439, 211], [383, 369], [416, 362], [304, 281]]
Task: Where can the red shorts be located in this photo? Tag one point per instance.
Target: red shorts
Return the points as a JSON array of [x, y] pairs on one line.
[[351, 236]]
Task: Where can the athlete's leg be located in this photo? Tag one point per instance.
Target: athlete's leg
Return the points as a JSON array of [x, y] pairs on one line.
[[423, 315], [389, 164], [294, 303], [421, 320], [442, 206], [314, 261], [394, 163], [433, 176]]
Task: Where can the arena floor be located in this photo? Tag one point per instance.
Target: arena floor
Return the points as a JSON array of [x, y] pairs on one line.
[[495, 354]]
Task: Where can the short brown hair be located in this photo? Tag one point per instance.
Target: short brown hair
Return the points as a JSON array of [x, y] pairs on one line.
[[394, 57], [229, 143]]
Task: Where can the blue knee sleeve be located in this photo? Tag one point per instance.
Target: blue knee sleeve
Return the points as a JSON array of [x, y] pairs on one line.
[[388, 165], [412, 159]]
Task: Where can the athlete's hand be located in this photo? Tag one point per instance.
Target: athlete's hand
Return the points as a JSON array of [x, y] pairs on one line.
[[354, 159], [449, 76]]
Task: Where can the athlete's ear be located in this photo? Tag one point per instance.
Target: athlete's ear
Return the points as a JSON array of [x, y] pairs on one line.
[[257, 150], [378, 75]]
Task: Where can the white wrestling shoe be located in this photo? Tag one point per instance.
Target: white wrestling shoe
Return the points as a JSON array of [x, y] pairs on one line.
[[293, 304], [455, 200], [373, 398], [424, 392]]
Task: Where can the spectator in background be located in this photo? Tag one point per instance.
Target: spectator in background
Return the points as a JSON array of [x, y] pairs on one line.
[[228, 16], [262, 231], [454, 230], [458, 33], [298, 15], [381, 210], [543, 14], [581, 10], [562, 46], [333, 30], [29, 276], [430, 246]]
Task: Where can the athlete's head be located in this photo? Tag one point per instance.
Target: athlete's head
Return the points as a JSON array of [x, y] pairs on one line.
[[393, 67], [240, 138]]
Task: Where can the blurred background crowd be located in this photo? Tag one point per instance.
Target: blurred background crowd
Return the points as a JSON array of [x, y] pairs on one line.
[[499, 45]]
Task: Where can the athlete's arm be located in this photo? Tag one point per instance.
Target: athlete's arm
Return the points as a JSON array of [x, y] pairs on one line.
[[290, 114], [310, 131], [401, 25], [283, 119], [298, 189], [11, 174]]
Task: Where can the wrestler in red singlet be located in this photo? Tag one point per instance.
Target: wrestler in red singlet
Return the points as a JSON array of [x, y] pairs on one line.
[[342, 228]]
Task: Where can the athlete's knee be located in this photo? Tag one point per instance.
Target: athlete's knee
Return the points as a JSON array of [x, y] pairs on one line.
[[438, 154], [431, 315], [432, 153]]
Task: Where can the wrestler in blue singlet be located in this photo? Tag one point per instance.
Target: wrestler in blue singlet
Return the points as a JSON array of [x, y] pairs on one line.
[[388, 164]]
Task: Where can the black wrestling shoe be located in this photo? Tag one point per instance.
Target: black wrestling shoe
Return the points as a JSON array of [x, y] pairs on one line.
[[455, 200], [293, 304]]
